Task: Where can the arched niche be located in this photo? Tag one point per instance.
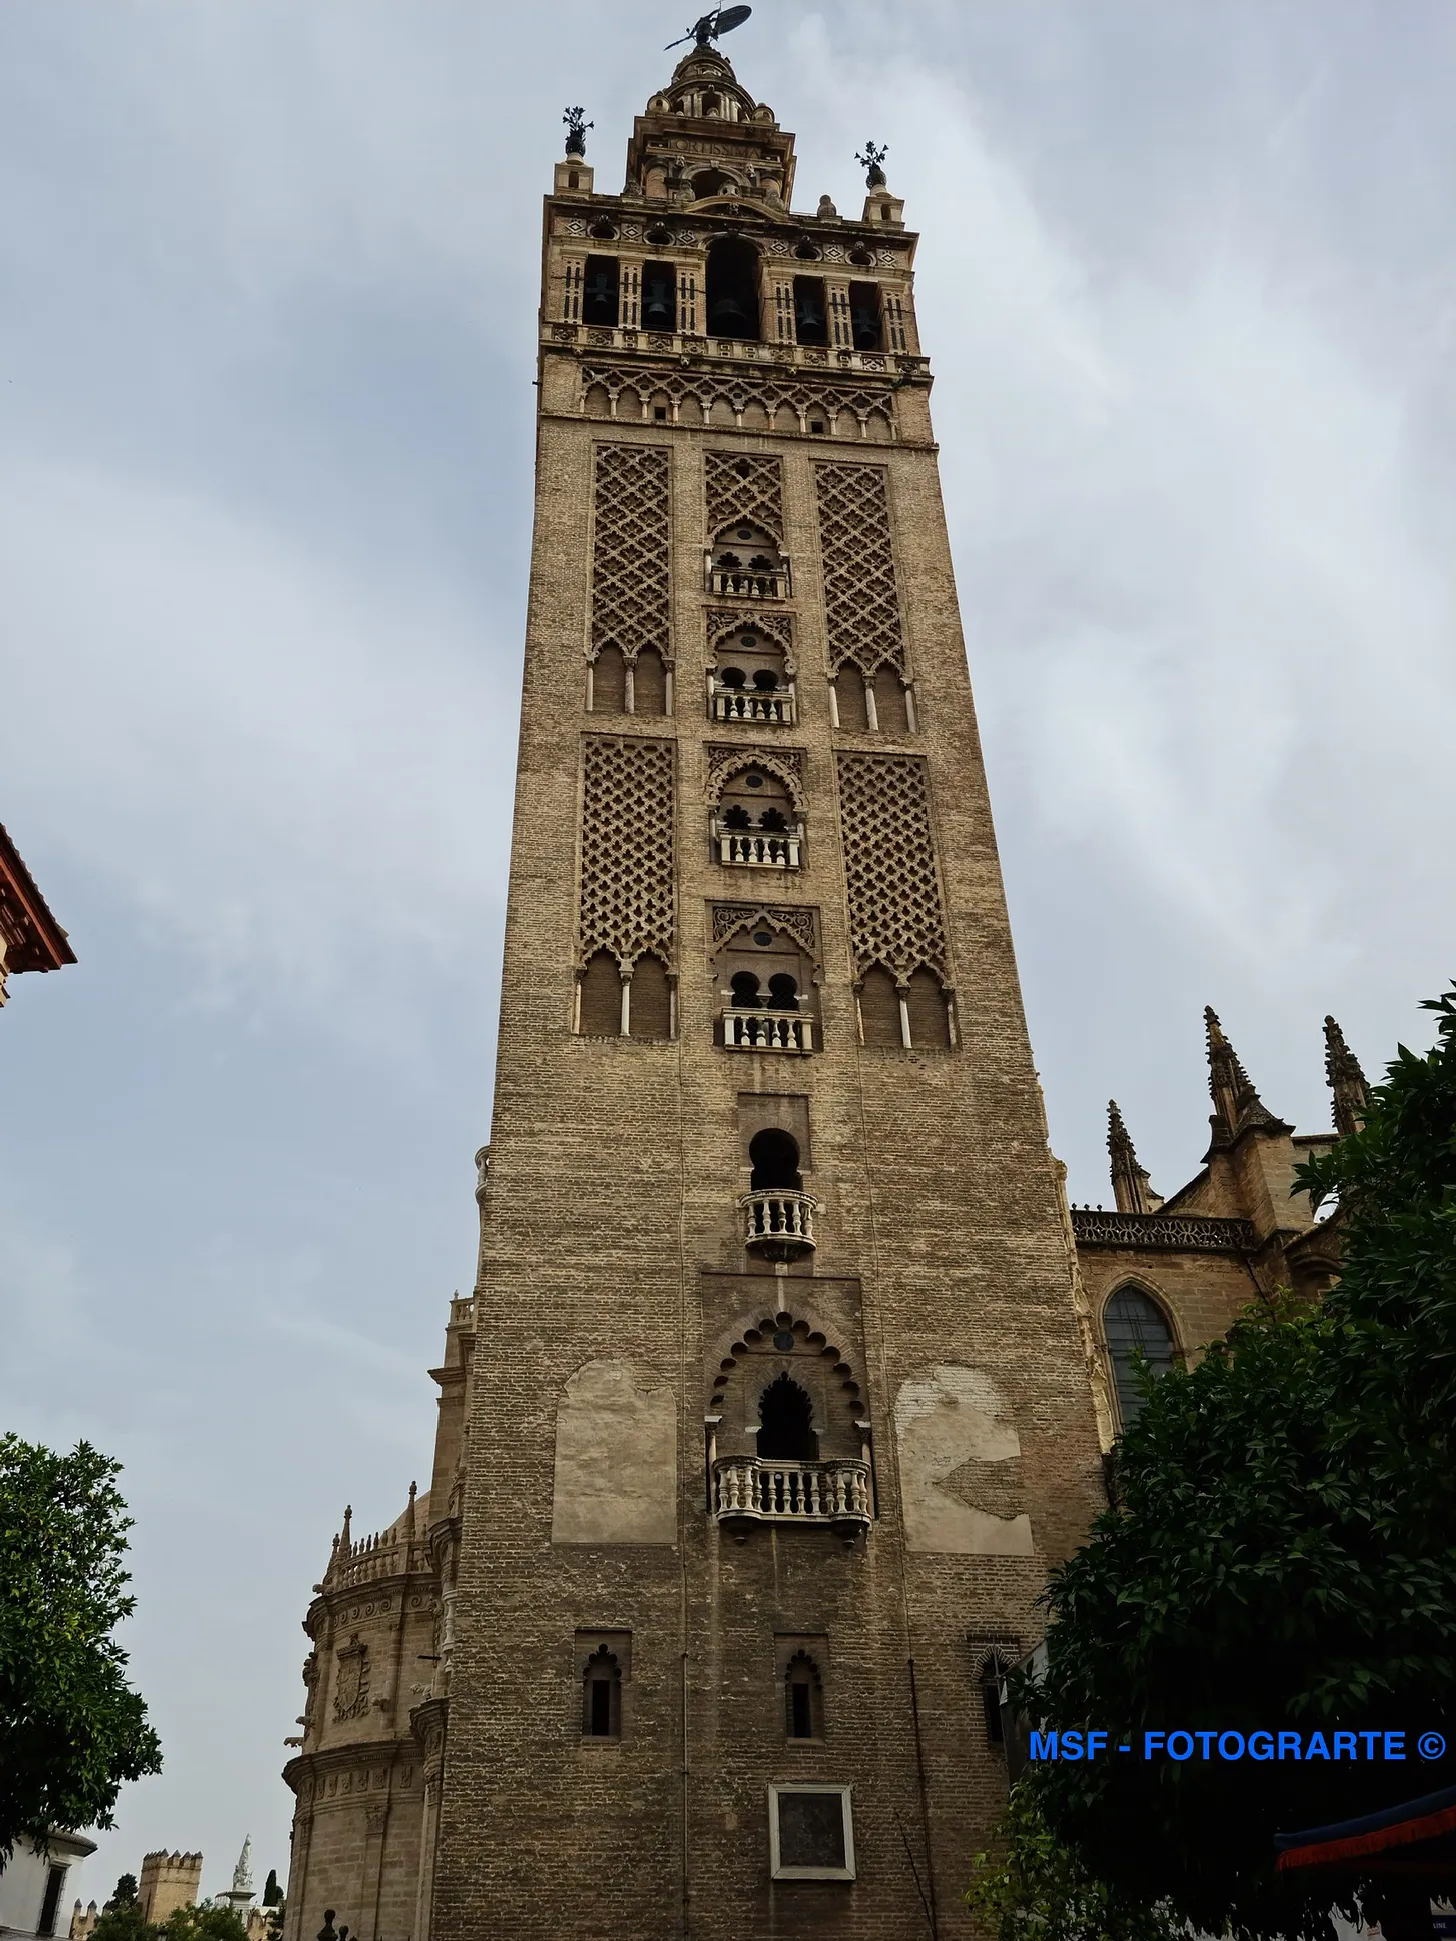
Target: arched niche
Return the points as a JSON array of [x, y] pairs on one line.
[[753, 1393]]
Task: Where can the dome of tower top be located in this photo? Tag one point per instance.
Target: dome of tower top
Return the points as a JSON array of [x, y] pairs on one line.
[[705, 88]]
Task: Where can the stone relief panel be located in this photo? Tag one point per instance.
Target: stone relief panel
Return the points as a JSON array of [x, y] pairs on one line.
[[896, 915], [744, 487], [627, 896], [861, 599], [351, 1686], [616, 1457], [960, 1466], [630, 571]]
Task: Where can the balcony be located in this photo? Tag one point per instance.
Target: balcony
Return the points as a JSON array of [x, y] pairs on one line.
[[750, 582], [778, 1222], [766, 706], [767, 1031], [759, 848], [756, 1489]]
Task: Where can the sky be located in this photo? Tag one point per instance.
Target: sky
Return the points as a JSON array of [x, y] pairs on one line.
[[268, 285]]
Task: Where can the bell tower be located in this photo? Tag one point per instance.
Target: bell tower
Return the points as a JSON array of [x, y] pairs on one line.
[[779, 1406]]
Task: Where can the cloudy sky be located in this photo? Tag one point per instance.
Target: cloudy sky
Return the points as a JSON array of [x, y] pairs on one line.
[[266, 340]]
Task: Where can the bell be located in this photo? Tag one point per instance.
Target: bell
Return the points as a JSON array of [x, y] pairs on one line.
[[728, 318]]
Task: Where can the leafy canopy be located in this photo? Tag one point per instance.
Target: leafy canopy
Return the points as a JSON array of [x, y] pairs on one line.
[[1283, 1553], [71, 1728]]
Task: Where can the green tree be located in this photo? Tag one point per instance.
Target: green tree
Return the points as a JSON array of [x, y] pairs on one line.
[[201, 1924], [71, 1728], [1034, 1887], [1283, 1553], [121, 1916], [272, 1892]]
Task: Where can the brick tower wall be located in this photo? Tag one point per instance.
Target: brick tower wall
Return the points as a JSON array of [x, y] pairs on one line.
[[619, 1345]]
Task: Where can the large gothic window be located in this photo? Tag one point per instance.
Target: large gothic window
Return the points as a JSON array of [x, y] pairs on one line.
[[1131, 1321], [733, 289]]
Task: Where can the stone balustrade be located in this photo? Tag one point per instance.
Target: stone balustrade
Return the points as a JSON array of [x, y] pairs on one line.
[[767, 1031], [773, 706], [760, 848], [761, 1490], [750, 583], [778, 1222]]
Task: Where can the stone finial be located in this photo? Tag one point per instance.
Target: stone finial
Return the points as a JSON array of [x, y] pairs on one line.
[[576, 127], [826, 212], [1132, 1190], [344, 1533], [1237, 1106], [1347, 1083]]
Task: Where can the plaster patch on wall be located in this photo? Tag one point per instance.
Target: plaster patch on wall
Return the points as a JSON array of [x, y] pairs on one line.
[[616, 1457], [948, 1425]]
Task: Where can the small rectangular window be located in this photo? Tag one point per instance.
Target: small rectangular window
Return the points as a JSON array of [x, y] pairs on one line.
[[599, 1725], [810, 1833], [599, 293], [55, 1881], [811, 318], [801, 1723]]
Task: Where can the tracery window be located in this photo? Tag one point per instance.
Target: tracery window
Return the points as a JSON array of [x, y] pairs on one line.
[[1132, 1321]]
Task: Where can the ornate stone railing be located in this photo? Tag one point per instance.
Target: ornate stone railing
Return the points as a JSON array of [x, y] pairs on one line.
[[1166, 1232], [774, 705], [371, 1559], [735, 350], [767, 1031], [760, 1490], [749, 583], [778, 1222], [760, 848]]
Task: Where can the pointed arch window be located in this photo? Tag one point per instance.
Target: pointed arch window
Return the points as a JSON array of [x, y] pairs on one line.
[[1134, 1324]]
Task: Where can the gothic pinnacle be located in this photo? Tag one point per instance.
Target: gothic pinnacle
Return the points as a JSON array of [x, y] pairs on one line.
[[1236, 1104], [1347, 1083], [1131, 1188]]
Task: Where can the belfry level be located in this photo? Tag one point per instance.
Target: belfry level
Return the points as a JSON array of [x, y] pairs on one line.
[[774, 1401]]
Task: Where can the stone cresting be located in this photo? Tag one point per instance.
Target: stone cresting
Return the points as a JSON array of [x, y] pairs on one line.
[[861, 601], [896, 914], [627, 886], [630, 603], [1164, 1232]]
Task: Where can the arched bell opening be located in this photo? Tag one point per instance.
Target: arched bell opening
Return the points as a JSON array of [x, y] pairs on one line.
[[732, 290]]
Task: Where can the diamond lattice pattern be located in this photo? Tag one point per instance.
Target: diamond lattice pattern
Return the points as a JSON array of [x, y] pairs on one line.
[[861, 603], [896, 916], [630, 603], [744, 490], [626, 848]]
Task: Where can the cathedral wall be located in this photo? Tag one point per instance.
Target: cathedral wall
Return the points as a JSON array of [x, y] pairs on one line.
[[1202, 1294]]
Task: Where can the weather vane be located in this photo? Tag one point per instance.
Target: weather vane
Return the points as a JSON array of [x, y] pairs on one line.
[[576, 127], [722, 20], [870, 162]]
